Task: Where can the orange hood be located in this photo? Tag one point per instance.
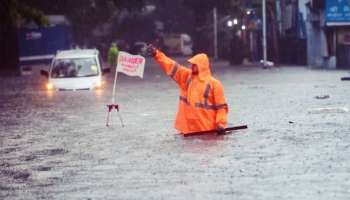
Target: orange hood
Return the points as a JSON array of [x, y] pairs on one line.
[[202, 61]]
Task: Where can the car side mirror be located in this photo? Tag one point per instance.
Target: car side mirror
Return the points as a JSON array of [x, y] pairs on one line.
[[44, 73], [106, 70]]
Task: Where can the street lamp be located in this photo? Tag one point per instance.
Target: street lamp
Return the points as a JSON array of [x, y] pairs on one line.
[[230, 23], [235, 21], [243, 27]]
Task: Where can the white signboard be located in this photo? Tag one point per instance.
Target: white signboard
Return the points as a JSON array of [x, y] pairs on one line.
[[132, 65]]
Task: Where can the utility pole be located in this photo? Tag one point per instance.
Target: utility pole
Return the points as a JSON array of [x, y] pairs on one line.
[[264, 32], [215, 34]]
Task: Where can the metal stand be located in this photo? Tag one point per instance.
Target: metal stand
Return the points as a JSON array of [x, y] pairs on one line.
[[109, 114]]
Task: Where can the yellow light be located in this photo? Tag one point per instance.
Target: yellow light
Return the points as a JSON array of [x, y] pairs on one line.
[[98, 93], [98, 84], [49, 93], [49, 86]]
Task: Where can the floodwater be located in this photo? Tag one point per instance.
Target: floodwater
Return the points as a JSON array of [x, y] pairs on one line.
[[55, 145]]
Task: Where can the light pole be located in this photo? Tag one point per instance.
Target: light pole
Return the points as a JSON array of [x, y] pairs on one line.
[[215, 34], [264, 32]]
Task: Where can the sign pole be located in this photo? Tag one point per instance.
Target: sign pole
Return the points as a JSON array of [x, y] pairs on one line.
[[113, 103], [114, 85], [132, 65]]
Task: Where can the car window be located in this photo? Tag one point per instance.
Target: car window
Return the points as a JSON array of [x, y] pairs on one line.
[[74, 67]]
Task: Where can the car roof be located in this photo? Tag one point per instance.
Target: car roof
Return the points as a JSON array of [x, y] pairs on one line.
[[76, 53]]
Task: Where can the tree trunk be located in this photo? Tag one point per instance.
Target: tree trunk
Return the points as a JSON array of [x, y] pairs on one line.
[[8, 49]]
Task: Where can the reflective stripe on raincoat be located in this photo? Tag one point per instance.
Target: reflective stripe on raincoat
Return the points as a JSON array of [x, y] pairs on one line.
[[202, 105]]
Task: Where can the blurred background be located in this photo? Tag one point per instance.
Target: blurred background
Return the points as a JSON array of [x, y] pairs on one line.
[[299, 32]]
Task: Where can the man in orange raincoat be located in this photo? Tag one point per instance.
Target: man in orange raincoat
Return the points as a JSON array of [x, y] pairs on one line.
[[202, 105]]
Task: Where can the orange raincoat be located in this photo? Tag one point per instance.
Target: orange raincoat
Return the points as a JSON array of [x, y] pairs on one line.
[[202, 104]]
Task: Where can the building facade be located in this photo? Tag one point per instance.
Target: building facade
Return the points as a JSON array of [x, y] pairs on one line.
[[328, 33]]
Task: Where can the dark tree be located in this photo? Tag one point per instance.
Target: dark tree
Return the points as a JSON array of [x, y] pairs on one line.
[[11, 13]]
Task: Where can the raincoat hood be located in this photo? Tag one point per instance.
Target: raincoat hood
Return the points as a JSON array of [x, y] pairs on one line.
[[202, 62]]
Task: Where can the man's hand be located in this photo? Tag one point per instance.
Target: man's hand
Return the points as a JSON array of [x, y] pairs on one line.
[[220, 130], [151, 50]]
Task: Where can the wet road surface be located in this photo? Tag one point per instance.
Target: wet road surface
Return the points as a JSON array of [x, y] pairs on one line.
[[55, 145]]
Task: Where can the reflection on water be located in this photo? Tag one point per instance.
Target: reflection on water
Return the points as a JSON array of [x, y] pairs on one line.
[[50, 93], [99, 92], [201, 143]]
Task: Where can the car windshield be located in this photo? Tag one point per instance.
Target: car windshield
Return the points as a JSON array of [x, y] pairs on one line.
[[74, 67]]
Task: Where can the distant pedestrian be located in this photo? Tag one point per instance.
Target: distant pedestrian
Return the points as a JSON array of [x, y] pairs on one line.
[[202, 104], [113, 55]]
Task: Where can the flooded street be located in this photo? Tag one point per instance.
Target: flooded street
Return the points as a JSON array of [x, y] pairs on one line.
[[55, 145]]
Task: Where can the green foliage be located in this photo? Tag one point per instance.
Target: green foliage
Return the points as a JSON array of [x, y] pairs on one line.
[[13, 11], [86, 15]]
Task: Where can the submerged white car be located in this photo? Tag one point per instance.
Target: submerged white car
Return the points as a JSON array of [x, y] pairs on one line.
[[78, 69]]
